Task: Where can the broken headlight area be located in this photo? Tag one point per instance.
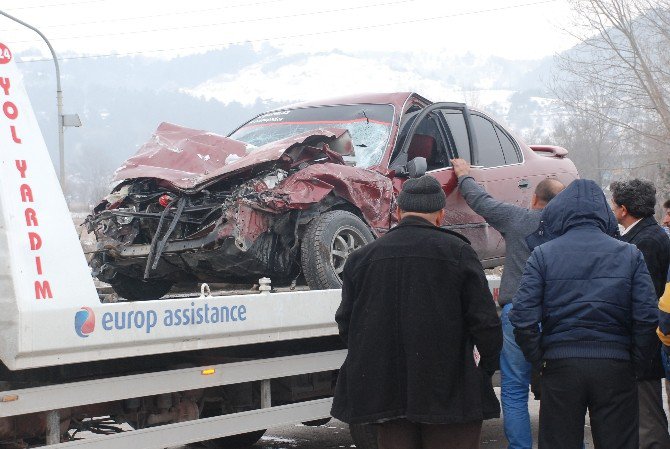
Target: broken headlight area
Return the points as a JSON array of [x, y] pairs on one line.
[[148, 223], [146, 203], [272, 180], [127, 217]]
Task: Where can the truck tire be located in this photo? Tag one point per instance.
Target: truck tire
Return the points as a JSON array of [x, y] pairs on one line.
[[139, 290], [241, 441], [364, 435], [316, 422], [326, 245]]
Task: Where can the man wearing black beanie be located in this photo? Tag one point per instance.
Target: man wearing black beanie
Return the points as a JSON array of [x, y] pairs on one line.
[[414, 304]]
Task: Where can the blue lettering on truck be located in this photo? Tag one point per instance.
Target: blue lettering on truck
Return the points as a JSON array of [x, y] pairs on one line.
[[134, 319], [204, 314], [147, 320]]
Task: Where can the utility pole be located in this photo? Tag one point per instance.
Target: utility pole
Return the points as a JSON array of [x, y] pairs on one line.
[[63, 120]]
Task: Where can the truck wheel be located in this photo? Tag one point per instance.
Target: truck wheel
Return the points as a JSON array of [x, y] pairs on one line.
[[326, 245], [316, 422], [138, 290], [364, 435], [241, 441]]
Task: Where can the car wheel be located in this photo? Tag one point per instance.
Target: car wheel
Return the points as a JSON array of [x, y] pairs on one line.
[[326, 245], [139, 290], [364, 435]]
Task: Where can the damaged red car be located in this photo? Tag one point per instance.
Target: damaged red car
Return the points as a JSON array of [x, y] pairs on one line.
[[291, 193]]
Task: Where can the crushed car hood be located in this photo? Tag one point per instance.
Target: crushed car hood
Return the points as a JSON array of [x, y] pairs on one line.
[[189, 158]]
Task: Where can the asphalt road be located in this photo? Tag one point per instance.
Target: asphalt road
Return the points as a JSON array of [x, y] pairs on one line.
[[336, 435]]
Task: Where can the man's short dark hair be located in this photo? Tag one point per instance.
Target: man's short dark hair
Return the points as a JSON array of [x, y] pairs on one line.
[[638, 195], [548, 188], [666, 205]]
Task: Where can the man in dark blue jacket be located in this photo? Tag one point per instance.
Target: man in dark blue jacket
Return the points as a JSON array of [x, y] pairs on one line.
[[586, 310]]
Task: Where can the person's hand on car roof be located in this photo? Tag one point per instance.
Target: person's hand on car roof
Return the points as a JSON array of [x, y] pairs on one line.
[[461, 167]]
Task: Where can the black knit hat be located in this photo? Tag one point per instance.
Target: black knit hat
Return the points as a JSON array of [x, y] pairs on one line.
[[422, 194]]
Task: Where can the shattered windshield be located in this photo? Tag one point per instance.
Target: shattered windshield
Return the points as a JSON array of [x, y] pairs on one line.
[[369, 126]]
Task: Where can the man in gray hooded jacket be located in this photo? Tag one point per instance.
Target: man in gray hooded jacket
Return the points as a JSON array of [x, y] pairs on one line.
[[514, 223]]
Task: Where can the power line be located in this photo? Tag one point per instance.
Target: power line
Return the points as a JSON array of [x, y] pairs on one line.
[[56, 4], [151, 16], [232, 22], [294, 36]]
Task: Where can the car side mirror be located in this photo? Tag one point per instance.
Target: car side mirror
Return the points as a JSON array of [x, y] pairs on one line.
[[417, 167]]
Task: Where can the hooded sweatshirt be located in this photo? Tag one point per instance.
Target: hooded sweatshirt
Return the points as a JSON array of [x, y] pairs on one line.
[[583, 293]]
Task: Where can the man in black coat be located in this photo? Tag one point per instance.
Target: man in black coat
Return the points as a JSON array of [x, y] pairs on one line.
[[414, 304], [633, 203]]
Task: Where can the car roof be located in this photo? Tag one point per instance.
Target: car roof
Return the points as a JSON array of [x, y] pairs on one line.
[[398, 99]]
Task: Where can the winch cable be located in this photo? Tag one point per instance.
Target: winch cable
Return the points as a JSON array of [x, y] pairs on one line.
[[156, 238], [181, 203]]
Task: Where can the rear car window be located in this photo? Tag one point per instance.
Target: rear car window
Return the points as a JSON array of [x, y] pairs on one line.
[[509, 148], [490, 151]]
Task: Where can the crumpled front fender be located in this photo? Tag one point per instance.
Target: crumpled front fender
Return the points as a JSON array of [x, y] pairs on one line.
[[367, 190]]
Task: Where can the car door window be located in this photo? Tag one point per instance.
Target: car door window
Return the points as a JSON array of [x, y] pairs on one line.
[[490, 153], [510, 149], [429, 141], [459, 132]]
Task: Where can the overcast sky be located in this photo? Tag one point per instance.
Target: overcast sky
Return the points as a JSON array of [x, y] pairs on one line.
[[515, 29]]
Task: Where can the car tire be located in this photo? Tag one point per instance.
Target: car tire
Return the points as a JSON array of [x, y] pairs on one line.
[[327, 243], [139, 290], [364, 435]]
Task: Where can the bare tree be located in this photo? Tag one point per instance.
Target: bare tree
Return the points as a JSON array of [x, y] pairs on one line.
[[587, 148], [92, 173], [616, 84], [624, 56]]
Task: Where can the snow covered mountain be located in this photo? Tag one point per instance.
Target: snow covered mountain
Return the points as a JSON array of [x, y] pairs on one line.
[[122, 100]]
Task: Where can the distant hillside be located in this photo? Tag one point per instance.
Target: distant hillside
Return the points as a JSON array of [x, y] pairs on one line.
[[122, 100]]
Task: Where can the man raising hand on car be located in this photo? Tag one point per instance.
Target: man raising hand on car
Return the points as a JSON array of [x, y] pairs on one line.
[[515, 224]]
